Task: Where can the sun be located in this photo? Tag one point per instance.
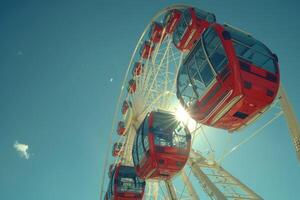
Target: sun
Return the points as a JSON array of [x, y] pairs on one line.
[[181, 114]]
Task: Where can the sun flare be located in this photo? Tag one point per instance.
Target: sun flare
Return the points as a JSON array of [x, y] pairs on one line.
[[183, 116]]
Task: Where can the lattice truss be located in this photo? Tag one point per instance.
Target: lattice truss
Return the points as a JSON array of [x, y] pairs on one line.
[[157, 83]]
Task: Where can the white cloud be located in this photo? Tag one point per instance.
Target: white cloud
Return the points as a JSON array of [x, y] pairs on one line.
[[22, 149], [111, 79]]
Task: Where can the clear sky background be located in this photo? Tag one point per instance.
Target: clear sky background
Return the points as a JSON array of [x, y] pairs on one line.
[[56, 61]]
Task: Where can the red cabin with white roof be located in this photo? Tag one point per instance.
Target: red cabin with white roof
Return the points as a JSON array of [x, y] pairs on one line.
[[161, 146], [110, 170], [132, 86], [192, 23], [125, 107], [137, 69], [228, 79], [171, 20], [125, 184], [117, 149], [147, 50], [156, 33], [121, 128]]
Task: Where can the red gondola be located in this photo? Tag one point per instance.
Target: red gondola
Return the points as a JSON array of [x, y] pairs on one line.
[[116, 151], [111, 168], [146, 50], [190, 27], [156, 33], [125, 184], [121, 128], [171, 20], [131, 86], [125, 107], [106, 196], [228, 79], [161, 146], [137, 69]]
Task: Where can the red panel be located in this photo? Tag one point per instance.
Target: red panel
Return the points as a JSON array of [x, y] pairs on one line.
[[132, 86], [138, 69], [193, 32], [125, 195], [172, 21], [147, 50], [125, 107], [157, 33], [255, 92], [117, 149], [121, 128], [162, 164]]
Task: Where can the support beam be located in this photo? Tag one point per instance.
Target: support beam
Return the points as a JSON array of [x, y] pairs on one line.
[[155, 190], [152, 190], [211, 190], [290, 119], [149, 190], [240, 184], [171, 190], [189, 186], [126, 157], [217, 182]]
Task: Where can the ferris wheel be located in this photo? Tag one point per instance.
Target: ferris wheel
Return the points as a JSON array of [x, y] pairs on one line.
[[155, 83]]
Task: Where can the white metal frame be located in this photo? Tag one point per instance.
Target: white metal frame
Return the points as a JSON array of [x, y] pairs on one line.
[[156, 89], [291, 120]]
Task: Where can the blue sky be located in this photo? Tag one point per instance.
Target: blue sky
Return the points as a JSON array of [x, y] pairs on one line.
[[56, 62]]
